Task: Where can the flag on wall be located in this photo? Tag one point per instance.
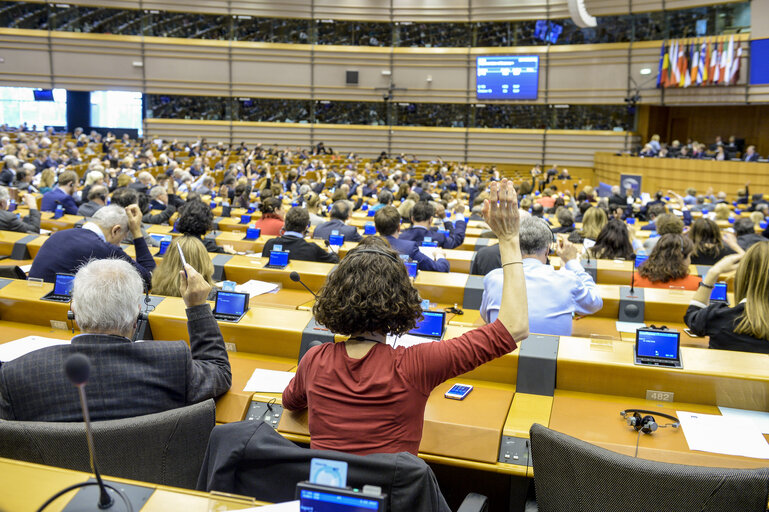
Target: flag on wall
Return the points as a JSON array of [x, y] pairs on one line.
[[735, 73], [693, 63], [663, 67], [713, 64]]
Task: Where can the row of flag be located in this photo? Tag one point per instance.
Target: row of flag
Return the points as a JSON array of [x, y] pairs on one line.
[[697, 64]]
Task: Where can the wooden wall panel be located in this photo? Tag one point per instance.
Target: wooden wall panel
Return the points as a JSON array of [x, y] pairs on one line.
[[447, 143], [331, 63], [579, 148], [271, 71], [448, 68], [174, 66], [515, 146], [26, 57], [587, 74]]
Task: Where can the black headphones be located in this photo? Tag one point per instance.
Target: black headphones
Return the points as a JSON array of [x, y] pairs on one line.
[[646, 424]]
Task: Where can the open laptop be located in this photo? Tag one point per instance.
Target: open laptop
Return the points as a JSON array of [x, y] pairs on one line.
[[322, 498], [278, 259], [62, 288], [431, 326], [658, 347], [230, 306], [718, 295]]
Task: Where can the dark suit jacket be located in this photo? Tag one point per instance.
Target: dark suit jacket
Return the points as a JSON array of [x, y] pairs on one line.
[[7, 177], [424, 262], [159, 218], [88, 209], [486, 260], [10, 222], [752, 158], [324, 230], [58, 196], [68, 249], [454, 239], [300, 249], [127, 379]]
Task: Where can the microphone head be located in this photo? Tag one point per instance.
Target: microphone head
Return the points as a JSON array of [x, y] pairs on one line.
[[78, 368], [294, 276]]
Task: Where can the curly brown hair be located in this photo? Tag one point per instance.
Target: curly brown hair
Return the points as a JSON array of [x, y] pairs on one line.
[[667, 261], [369, 291]]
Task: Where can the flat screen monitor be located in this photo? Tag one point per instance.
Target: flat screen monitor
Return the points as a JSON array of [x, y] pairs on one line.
[[63, 284], [230, 304], [507, 77], [431, 324], [43, 94], [658, 347]]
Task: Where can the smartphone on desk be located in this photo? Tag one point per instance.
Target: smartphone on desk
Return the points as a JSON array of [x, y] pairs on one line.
[[458, 391]]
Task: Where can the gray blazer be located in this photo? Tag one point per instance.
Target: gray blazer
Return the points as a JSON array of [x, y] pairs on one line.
[[10, 222], [127, 379], [324, 230]]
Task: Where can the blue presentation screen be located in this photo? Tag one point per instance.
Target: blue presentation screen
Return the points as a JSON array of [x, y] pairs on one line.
[[230, 303], [507, 77], [657, 344]]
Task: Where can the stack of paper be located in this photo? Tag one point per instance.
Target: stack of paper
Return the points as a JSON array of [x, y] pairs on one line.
[[254, 287], [407, 340], [428, 251], [728, 435], [760, 419], [268, 381], [23, 346]]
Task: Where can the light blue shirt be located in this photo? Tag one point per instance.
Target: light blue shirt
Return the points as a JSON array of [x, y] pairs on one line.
[[553, 295]]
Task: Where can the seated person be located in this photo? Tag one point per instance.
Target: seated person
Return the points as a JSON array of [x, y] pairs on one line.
[[708, 244], [613, 243], [10, 222], [167, 277], [741, 326], [127, 379], [62, 194], [292, 240], [97, 197], [593, 222], [565, 220], [666, 224], [668, 265], [67, 250], [746, 233], [271, 222], [388, 222], [385, 198], [421, 215], [154, 218], [364, 396], [196, 219], [340, 212], [554, 295]]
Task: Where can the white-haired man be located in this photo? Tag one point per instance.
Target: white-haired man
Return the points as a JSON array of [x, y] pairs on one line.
[[99, 238], [127, 379]]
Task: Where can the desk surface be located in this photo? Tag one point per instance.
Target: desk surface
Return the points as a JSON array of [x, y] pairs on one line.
[[25, 486]]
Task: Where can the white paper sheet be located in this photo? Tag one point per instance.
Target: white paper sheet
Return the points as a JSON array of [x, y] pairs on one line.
[[254, 287], [268, 381], [760, 418], [428, 251], [26, 268], [630, 327], [727, 435], [407, 340], [17, 348], [288, 506]]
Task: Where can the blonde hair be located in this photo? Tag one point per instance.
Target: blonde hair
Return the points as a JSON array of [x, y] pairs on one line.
[[47, 178], [722, 212], [752, 283], [166, 279], [757, 218], [593, 222]]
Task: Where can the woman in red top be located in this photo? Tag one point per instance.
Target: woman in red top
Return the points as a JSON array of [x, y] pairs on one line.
[[271, 222], [668, 265], [365, 396]]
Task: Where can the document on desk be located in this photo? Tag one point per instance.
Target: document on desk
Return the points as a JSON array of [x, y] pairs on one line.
[[428, 251], [707, 433], [630, 327], [760, 418], [407, 340], [23, 346], [268, 381], [254, 287]]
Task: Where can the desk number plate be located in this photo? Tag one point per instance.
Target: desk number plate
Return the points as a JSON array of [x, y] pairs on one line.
[[660, 396]]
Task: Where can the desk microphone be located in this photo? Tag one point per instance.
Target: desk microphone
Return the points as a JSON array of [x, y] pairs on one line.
[[78, 368], [297, 279], [632, 280]]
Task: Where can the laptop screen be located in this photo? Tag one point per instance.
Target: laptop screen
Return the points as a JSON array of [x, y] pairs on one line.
[[278, 258], [163, 247], [411, 267], [657, 344], [63, 284], [317, 501], [230, 303], [719, 292], [431, 325]]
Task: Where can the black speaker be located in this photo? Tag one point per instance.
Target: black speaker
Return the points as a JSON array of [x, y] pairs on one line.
[[351, 77]]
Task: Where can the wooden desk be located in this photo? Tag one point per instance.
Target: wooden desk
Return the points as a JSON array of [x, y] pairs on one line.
[[25, 486]]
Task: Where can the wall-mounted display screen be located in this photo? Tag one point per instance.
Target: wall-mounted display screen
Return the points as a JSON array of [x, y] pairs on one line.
[[507, 77]]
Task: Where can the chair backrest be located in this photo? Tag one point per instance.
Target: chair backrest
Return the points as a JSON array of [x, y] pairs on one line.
[[163, 448], [572, 475], [250, 458], [12, 272]]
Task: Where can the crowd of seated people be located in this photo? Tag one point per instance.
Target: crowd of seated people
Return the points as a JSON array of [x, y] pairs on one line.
[[733, 149]]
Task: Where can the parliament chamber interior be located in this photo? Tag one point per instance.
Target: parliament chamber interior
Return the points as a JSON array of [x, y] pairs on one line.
[[338, 256]]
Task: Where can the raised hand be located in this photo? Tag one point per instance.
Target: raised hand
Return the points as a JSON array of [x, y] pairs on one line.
[[500, 210]]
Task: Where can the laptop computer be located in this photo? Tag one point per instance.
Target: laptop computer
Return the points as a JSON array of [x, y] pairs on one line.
[[719, 293], [322, 498], [278, 259], [62, 288], [230, 306], [658, 347], [431, 325]]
